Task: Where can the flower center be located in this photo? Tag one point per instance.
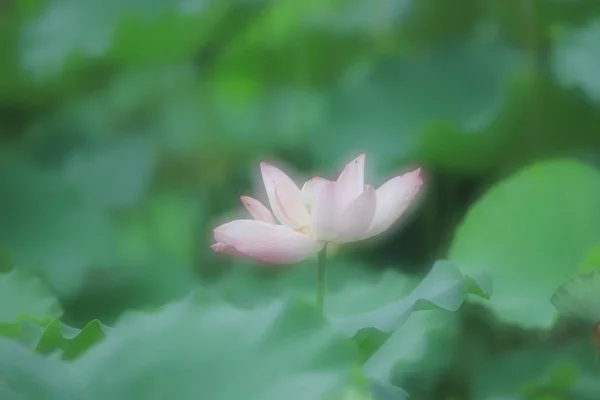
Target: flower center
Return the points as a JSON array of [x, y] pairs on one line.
[[304, 230]]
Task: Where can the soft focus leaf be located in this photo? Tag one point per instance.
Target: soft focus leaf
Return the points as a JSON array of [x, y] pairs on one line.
[[129, 129], [190, 349], [444, 287], [566, 372], [25, 304], [357, 300], [48, 229], [531, 231], [24, 296], [421, 348], [114, 177], [73, 342], [124, 31], [393, 110], [25, 375]]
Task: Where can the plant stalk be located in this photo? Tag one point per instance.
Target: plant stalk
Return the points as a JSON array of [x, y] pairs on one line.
[[321, 277]]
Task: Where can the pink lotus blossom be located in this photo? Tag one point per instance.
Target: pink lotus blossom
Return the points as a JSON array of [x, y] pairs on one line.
[[301, 222]]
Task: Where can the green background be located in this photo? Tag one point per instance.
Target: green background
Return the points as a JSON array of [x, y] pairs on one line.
[[129, 129]]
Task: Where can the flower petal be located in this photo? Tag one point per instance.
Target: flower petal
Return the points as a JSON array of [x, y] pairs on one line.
[[287, 205], [257, 209], [268, 243], [309, 189], [351, 181], [356, 219], [292, 207], [393, 198], [324, 211]]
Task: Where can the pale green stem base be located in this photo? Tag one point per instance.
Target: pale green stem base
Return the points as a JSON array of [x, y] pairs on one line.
[[321, 277]]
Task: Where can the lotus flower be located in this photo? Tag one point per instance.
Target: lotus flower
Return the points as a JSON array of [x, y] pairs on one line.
[[324, 211]]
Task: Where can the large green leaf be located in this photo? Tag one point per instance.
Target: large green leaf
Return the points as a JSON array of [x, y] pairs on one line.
[[444, 287], [416, 352], [426, 106], [74, 234], [27, 376], [531, 232], [208, 349], [48, 229], [71, 341], [374, 309]]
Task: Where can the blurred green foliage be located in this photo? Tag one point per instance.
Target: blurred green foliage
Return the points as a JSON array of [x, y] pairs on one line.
[[128, 129]]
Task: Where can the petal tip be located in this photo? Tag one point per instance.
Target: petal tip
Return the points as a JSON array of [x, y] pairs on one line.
[[417, 174], [268, 169], [358, 159]]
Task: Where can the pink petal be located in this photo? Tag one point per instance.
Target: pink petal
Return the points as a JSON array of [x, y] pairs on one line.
[[309, 189], [267, 243], [393, 198], [324, 211], [284, 197], [257, 209], [351, 182], [293, 207], [356, 219]]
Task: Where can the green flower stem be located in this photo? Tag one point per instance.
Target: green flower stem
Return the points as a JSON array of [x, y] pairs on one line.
[[321, 277]]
